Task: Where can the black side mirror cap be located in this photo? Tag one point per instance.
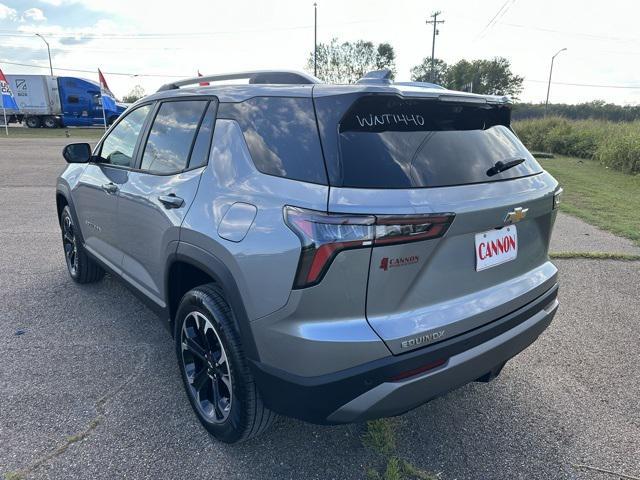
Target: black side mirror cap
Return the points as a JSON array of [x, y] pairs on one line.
[[77, 153]]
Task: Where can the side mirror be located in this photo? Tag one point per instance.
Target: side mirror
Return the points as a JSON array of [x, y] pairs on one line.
[[77, 153]]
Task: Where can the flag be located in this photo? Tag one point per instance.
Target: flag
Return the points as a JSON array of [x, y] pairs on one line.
[[108, 98], [202, 84], [8, 101]]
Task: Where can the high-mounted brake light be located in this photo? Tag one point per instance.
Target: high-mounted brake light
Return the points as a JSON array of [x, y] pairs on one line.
[[324, 235]]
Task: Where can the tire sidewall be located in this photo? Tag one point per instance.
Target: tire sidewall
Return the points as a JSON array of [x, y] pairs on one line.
[[232, 429], [66, 212]]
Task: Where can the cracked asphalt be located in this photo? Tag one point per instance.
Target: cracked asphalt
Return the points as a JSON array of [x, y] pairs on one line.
[[89, 386]]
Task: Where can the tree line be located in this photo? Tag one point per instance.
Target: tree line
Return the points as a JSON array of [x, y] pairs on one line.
[[597, 110], [346, 62]]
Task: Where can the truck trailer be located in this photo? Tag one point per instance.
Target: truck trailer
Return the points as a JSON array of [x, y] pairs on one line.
[[52, 102]]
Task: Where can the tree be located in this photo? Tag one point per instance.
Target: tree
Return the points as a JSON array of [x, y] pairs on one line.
[[492, 77], [422, 72], [134, 95], [347, 62]]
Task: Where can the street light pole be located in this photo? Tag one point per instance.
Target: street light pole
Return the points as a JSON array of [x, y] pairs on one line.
[[48, 52], [546, 103], [315, 39]]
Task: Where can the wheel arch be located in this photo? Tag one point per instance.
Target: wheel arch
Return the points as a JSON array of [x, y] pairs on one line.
[[191, 266], [63, 199]]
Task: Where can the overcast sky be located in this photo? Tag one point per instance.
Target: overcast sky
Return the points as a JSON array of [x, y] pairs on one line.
[[178, 38]]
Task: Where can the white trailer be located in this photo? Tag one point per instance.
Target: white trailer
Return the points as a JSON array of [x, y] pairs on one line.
[[35, 94]]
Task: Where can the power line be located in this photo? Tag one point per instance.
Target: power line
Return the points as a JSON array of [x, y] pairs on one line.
[[164, 35], [565, 32], [593, 85], [499, 14], [160, 75]]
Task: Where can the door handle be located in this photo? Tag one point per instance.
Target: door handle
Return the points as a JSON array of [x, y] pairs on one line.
[[171, 201], [110, 187]]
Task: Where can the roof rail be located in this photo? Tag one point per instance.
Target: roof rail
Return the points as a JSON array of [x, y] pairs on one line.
[[254, 76], [420, 85], [377, 77]]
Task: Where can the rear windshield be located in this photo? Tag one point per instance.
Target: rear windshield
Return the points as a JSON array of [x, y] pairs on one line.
[[389, 142]]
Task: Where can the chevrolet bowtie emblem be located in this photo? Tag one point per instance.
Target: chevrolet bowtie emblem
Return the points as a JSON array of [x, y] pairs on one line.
[[515, 215]]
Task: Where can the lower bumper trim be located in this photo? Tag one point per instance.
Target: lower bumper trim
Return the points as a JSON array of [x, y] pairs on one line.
[[367, 391], [393, 398]]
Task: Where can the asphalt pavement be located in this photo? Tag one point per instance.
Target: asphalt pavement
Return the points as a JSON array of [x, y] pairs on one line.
[[89, 385]]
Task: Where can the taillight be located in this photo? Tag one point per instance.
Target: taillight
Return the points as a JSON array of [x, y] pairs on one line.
[[324, 235]]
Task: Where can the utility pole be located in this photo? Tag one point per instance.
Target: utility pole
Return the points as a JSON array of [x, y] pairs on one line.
[[48, 52], [546, 103], [435, 23], [315, 39]]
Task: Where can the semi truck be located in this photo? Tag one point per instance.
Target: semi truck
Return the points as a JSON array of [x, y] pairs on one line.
[[52, 102]]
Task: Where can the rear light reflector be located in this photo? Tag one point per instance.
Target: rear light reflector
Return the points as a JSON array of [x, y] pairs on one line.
[[416, 371], [324, 235]]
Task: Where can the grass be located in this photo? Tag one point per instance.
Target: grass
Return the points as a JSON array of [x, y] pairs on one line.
[[380, 438], [596, 256], [74, 132], [601, 196]]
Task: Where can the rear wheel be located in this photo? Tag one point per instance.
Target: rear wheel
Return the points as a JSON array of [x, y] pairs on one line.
[[214, 369], [50, 122], [82, 268], [32, 122]]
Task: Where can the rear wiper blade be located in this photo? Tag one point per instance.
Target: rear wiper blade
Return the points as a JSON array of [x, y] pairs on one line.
[[501, 166]]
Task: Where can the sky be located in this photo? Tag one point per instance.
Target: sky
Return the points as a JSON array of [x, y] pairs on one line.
[[153, 42]]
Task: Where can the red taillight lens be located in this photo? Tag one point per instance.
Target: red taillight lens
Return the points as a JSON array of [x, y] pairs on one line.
[[324, 235]]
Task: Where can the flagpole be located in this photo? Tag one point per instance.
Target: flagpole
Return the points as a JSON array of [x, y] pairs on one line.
[[104, 115]]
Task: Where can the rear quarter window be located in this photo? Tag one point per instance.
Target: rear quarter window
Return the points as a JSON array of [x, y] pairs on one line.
[[281, 135]]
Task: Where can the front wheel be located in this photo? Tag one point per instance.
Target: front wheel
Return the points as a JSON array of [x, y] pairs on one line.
[[214, 370], [81, 267]]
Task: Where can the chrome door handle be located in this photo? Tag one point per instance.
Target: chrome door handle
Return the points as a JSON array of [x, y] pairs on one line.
[[171, 201], [110, 187]]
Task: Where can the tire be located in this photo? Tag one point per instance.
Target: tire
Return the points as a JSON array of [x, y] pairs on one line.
[[50, 122], [214, 370], [81, 267], [111, 119], [32, 122]]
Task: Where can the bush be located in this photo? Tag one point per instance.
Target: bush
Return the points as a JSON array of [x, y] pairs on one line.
[[615, 145]]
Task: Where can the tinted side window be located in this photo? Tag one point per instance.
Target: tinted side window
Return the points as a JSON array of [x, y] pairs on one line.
[[200, 152], [118, 147], [282, 136], [171, 136]]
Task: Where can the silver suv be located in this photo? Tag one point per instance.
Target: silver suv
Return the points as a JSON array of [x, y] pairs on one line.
[[334, 253]]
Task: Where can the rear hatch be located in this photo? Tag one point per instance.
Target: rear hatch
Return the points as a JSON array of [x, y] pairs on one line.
[[449, 161]]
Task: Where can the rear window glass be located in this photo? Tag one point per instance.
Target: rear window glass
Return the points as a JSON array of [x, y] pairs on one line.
[[389, 142], [281, 135]]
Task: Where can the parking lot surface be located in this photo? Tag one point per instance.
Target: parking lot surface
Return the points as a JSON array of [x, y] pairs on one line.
[[89, 385]]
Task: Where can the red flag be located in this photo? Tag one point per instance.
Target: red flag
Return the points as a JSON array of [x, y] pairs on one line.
[[202, 84], [103, 84]]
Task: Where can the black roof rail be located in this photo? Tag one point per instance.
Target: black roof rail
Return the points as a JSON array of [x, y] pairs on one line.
[[255, 77]]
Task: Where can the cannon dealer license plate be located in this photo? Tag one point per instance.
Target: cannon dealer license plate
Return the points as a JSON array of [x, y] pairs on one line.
[[496, 247]]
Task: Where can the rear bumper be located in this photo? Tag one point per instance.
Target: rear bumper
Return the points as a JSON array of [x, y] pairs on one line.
[[368, 391]]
